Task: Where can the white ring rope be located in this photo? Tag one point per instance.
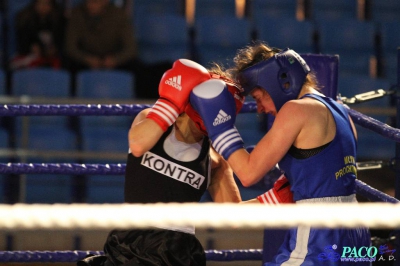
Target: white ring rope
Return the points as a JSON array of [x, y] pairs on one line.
[[201, 215]]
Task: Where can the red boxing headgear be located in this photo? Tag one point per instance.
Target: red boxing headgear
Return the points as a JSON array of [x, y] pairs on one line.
[[233, 88]]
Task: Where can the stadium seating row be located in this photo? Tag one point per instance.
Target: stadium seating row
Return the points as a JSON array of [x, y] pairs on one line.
[[50, 83], [43, 82], [363, 46], [217, 38], [375, 10], [217, 32]]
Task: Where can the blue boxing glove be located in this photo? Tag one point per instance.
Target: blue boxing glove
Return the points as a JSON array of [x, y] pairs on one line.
[[217, 107]]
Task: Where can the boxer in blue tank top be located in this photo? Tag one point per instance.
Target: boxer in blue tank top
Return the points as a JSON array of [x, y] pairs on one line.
[[312, 138], [332, 183]]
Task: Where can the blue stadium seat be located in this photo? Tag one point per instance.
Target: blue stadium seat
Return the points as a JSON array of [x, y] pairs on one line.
[[352, 40], [43, 133], [105, 139], [390, 32], [4, 137], [48, 189], [218, 8], [260, 9], [2, 82], [3, 189], [49, 83], [383, 148], [12, 8], [287, 32], [334, 10], [73, 3], [41, 82], [145, 8], [105, 189], [162, 38], [106, 125], [112, 84], [384, 11], [52, 133], [218, 38], [116, 121], [101, 139], [47, 137], [2, 58]]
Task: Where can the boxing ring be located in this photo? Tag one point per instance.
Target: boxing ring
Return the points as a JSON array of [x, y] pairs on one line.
[[205, 215]]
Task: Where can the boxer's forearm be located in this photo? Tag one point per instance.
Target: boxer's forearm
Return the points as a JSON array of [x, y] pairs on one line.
[[143, 134]]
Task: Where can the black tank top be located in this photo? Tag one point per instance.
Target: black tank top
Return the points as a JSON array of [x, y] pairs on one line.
[[157, 177]]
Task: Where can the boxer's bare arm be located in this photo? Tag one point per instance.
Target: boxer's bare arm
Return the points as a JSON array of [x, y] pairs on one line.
[[143, 134], [223, 187]]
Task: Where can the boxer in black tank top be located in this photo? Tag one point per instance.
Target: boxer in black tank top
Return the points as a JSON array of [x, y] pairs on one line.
[[170, 159], [179, 167]]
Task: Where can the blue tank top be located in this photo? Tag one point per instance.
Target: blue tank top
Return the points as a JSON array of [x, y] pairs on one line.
[[331, 172]]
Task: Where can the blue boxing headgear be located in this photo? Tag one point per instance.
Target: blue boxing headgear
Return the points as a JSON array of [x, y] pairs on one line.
[[282, 76]]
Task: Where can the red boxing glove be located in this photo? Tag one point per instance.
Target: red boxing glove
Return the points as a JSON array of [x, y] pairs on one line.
[[174, 89], [280, 193]]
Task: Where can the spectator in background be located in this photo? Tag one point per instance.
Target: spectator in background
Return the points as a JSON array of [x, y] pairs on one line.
[[39, 35], [99, 36]]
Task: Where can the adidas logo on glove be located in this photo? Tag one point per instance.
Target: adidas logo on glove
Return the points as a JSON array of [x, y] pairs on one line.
[[174, 82], [222, 117]]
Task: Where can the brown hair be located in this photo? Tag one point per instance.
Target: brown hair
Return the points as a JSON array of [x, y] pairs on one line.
[[219, 70]]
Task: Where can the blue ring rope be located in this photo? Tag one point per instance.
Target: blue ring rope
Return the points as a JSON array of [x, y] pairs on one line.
[[86, 109], [119, 169], [73, 256], [133, 109]]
